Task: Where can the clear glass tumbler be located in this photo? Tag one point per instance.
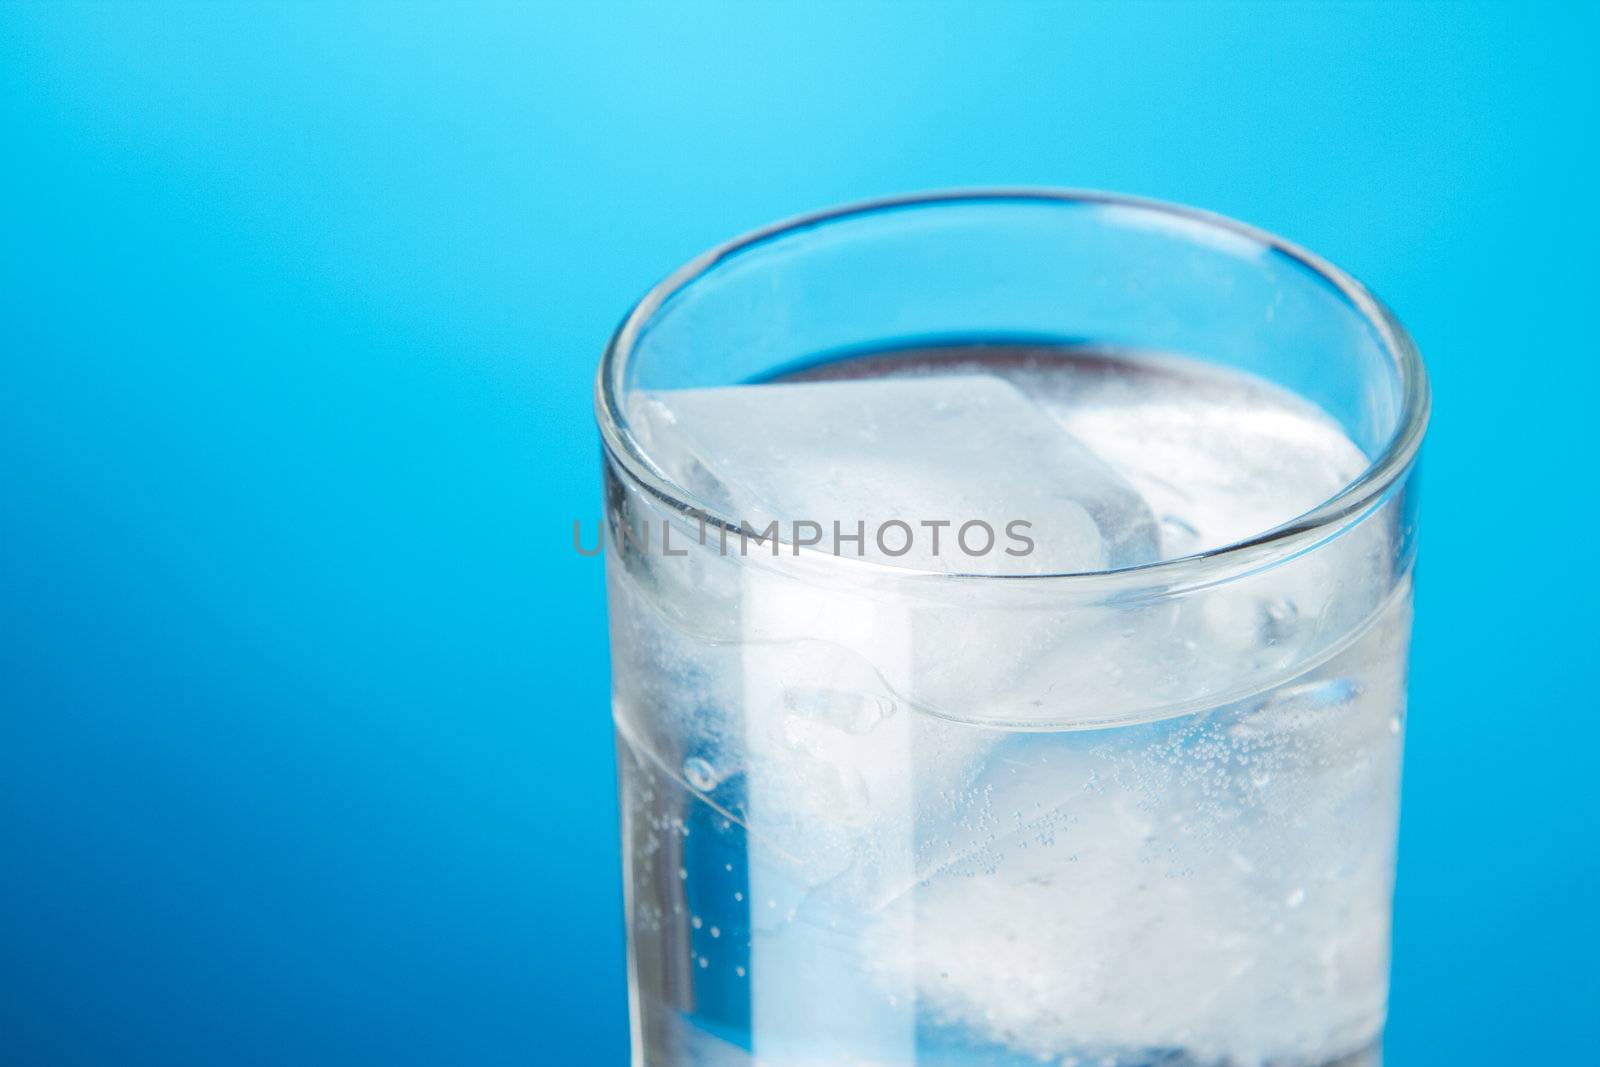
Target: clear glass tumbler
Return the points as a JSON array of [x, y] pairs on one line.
[[1010, 595]]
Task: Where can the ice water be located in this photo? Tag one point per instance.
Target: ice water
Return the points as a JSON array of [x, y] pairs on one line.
[[928, 807]]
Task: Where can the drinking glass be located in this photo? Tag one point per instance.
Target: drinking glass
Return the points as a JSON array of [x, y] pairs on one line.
[[1127, 798]]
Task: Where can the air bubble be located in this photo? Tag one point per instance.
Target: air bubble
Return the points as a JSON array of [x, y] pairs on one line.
[[700, 774]]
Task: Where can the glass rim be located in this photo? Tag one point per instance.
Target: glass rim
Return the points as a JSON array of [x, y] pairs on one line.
[[1322, 522]]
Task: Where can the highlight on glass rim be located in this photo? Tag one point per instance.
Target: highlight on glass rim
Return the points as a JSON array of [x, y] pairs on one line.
[[1126, 798]]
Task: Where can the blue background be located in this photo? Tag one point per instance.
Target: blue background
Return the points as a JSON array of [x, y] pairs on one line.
[[304, 746]]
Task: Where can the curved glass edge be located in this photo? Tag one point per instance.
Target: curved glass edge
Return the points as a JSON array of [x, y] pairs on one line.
[[1326, 521]]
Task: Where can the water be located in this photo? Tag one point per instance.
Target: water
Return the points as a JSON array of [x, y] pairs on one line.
[[872, 820]]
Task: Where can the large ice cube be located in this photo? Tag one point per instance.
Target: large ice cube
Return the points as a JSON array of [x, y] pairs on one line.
[[1216, 884], [827, 659], [946, 449]]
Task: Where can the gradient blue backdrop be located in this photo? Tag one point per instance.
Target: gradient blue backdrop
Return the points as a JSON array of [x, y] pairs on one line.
[[304, 749]]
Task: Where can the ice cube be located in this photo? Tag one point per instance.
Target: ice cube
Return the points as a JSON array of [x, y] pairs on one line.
[[823, 645], [936, 453], [933, 452], [1212, 888]]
